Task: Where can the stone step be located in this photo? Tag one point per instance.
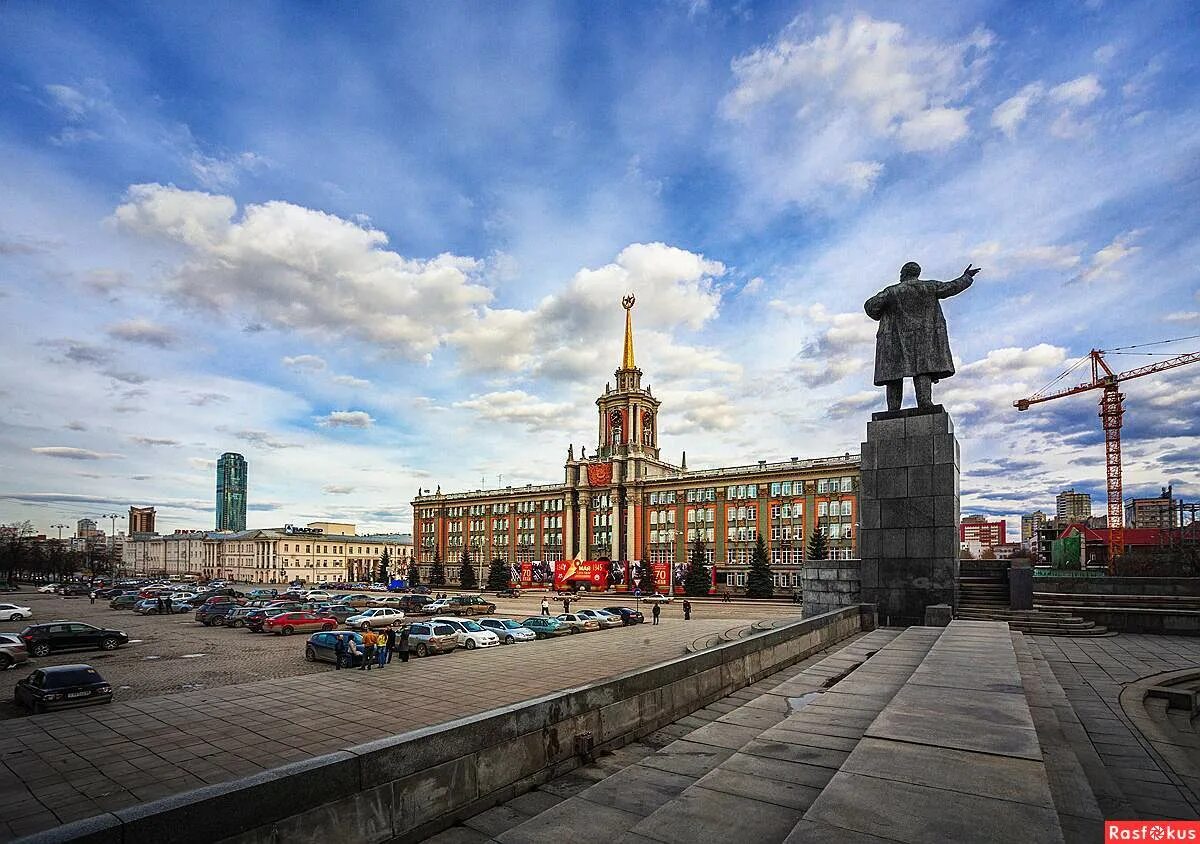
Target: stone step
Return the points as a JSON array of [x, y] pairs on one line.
[[620, 789]]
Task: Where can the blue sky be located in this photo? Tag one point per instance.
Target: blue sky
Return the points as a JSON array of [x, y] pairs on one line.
[[381, 247]]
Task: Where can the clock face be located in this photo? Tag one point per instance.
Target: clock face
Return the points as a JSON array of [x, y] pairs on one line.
[[614, 419]]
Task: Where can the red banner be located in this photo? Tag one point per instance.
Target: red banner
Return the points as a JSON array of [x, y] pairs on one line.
[[599, 474], [592, 573], [526, 575], [664, 577]]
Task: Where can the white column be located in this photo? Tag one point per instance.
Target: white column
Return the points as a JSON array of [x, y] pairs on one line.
[[583, 525], [630, 528]]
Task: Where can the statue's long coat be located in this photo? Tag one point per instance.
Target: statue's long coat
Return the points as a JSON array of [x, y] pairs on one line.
[[912, 338]]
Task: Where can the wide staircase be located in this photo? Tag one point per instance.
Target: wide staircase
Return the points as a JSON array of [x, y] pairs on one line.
[[928, 734], [983, 596]]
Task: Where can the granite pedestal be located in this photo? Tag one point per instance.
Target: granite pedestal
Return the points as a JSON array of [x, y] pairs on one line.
[[909, 509]]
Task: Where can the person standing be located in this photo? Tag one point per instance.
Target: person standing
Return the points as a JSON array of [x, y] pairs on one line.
[[687, 610], [657, 611], [390, 639], [545, 605], [158, 606], [167, 604], [351, 650], [567, 604], [403, 643], [93, 596], [339, 651], [381, 649], [368, 650]]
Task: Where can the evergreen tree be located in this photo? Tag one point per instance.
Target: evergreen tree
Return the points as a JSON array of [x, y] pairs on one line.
[[414, 575], [758, 582], [498, 574], [437, 573], [818, 548], [646, 583], [699, 577], [384, 561], [466, 574]]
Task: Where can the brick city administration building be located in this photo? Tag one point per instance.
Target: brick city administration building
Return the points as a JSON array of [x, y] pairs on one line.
[[625, 503]]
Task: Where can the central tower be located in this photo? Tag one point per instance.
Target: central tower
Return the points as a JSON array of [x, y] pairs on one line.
[[628, 415]]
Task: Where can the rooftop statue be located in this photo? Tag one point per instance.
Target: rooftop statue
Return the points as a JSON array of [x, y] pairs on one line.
[[912, 341]]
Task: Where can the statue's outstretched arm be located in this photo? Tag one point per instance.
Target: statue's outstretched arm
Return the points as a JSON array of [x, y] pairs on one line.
[[876, 305], [945, 289]]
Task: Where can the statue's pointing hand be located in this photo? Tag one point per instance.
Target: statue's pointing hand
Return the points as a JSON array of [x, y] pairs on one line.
[[971, 272]]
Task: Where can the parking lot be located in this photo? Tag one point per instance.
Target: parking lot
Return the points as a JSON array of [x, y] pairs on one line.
[[162, 736], [173, 653]]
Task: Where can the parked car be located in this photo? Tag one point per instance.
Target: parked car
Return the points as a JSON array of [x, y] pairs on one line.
[[603, 617], [320, 647], [421, 590], [12, 651], [48, 589], [414, 604], [44, 639], [315, 595], [260, 594], [209, 614], [74, 590], [149, 606], [578, 623], [235, 619], [181, 596], [8, 587], [509, 631], [427, 637], [11, 612], [627, 615], [61, 687], [470, 605], [124, 602], [298, 622], [355, 600], [255, 619], [223, 599], [657, 598], [375, 617], [390, 601], [338, 611], [545, 627], [470, 635], [510, 592]]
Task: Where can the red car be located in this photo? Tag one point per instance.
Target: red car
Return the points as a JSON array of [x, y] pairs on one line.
[[224, 599], [298, 622]]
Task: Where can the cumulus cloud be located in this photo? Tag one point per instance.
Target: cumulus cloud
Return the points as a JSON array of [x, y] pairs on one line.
[[839, 347], [142, 331], [1012, 112], [1105, 263], [819, 109], [304, 363], [351, 381], [1078, 92], [1183, 316], [262, 439], [337, 489], [347, 419], [68, 453], [151, 441], [517, 407], [294, 267], [77, 351]]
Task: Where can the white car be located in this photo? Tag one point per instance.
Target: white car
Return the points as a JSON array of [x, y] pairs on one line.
[[470, 635], [375, 617], [605, 618], [177, 597], [509, 631], [440, 605], [657, 598], [48, 589], [318, 595], [11, 612]]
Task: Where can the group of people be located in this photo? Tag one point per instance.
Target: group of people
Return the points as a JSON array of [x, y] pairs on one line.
[[375, 651]]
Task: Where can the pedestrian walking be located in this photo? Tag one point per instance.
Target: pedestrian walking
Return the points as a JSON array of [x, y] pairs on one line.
[[545, 606], [390, 638], [657, 612], [351, 650], [167, 604], [403, 643], [93, 596], [158, 606], [687, 610], [726, 599], [368, 651], [567, 604], [339, 651]]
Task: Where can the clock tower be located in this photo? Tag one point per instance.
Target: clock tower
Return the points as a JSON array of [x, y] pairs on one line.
[[628, 414]]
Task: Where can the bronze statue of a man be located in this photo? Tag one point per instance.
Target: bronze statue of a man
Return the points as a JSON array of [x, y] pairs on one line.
[[912, 341]]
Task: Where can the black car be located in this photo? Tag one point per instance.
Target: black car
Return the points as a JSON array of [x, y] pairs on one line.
[[628, 616], [75, 589], [321, 647], [338, 611], [124, 602], [44, 639], [253, 620], [237, 618], [61, 687], [209, 614]]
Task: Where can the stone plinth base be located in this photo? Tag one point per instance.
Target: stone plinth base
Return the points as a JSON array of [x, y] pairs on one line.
[[908, 515], [830, 585]]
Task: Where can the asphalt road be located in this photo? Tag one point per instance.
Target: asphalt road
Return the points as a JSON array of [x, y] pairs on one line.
[[173, 653]]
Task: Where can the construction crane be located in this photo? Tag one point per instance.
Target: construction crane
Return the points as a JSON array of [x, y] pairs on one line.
[[1112, 409]]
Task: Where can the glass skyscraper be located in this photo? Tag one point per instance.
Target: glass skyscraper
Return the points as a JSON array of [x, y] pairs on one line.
[[231, 492]]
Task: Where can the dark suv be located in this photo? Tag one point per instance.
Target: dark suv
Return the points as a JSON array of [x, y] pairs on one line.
[[471, 605], [44, 639], [210, 614]]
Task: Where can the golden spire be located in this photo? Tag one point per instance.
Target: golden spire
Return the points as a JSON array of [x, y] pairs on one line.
[[627, 359]]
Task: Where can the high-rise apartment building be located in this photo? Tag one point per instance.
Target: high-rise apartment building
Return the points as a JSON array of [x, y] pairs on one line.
[[1072, 507], [1157, 512], [141, 520], [85, 529], [1031, 524], [231, 492]]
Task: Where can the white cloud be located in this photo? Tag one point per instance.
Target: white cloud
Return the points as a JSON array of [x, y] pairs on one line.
[[351, 381], [142, 331], [152, 441], [337, 489], [1183, 316], [304, 363], [934, 129], [293, 267], [1016, 362], [347, 419], [1104, 263], [217, 172], [1080, 91], [1012, 112], [754, 286], [516, 407], [69, 453]]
